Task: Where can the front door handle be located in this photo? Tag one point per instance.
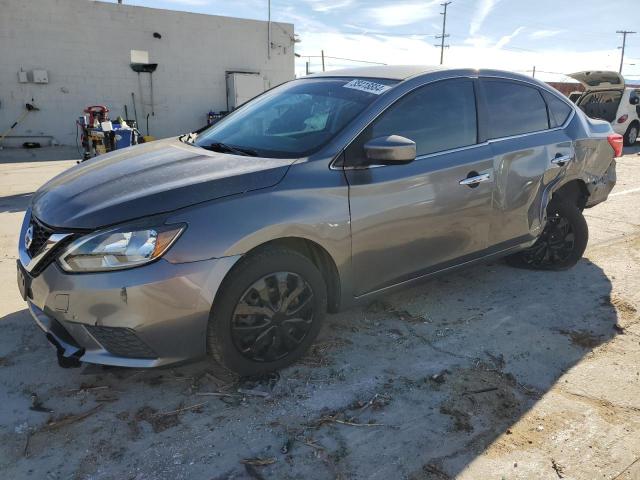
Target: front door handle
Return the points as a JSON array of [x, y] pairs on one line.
[[473, 180], [560, 160]]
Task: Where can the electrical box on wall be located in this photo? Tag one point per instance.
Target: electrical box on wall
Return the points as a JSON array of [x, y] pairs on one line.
[[40, 76], [22, 77], [242, 87]]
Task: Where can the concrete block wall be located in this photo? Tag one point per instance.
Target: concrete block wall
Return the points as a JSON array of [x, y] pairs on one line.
[[85, 47]]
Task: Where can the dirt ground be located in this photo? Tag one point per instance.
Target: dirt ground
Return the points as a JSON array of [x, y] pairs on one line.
[[488, 373]]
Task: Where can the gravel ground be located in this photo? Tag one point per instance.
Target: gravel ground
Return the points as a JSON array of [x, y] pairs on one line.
[[488, 373]]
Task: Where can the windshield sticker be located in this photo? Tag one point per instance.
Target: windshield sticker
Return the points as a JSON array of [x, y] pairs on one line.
[[367, 86]]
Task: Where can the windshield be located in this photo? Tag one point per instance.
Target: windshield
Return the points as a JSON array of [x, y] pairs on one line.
[[296, 119]]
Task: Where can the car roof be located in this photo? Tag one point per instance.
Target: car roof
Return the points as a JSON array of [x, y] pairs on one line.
[[404, 72], [392, 72]]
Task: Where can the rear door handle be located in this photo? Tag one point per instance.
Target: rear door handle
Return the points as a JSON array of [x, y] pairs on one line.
[[560, 160], [475, 180]]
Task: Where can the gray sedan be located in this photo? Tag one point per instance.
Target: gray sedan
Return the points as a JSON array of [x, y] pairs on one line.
[[318, 194]]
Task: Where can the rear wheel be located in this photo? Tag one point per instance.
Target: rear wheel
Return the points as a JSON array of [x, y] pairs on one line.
[[631, 135], [268, 312], [562, 243]]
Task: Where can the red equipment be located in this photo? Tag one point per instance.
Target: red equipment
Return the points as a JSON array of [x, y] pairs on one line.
[[97, 112]]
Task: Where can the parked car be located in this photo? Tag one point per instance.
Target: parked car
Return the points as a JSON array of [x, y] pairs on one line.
[[316, 195], [607, 98]]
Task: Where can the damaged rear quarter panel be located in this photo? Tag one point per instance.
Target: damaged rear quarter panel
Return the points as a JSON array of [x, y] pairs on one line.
[[594, 163]]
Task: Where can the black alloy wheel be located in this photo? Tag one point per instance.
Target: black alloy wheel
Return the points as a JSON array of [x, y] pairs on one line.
[[554, 245], [273, 317], [267, 313], [561, 244]]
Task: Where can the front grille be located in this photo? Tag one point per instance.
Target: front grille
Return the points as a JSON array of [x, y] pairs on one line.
[[121, 342], [40, 236]]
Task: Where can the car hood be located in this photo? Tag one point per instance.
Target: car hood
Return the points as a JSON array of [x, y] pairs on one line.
[[599, 80], [148, 179]]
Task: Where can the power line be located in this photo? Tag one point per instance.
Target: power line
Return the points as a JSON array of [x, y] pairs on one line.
[[444, 28], [340, 58], [624, 43]]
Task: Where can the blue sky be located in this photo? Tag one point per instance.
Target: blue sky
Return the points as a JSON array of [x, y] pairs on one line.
[[553, 35]]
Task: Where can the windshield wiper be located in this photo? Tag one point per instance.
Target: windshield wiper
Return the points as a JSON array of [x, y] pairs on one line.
[[224, 148]]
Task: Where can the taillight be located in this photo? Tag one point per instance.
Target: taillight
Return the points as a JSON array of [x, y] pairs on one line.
[[623, 118], [615, 140]]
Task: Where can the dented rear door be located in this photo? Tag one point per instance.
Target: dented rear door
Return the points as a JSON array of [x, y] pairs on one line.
[[530, 152]]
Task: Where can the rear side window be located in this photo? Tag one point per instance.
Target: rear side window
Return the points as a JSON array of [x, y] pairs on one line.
[[438, 117], [513, 108], [558, 110]]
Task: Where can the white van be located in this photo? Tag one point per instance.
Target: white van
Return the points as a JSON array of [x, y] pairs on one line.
[[606, 98]]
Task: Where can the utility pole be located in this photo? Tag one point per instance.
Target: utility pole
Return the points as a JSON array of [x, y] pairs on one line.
[[534, 72], [624, 43], [269, 29], [444, 29], [322, 54], [307, 68]]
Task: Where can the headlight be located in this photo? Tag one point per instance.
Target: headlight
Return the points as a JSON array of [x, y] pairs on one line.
[[118, 248]]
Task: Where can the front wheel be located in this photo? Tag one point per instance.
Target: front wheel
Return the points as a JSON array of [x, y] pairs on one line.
[[268, 312], [562, 243]]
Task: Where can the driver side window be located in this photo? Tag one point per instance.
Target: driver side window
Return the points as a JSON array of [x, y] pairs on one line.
[[438, 117]]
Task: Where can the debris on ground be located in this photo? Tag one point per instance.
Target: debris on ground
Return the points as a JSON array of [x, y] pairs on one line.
[[37, 406], [86, 388], [377, 402], [461, 420], [254, 392], [582, 338], [435, 472], [559, 469], [158, 423], [440, 377], [258, 462], [196, 407], [69, 419]]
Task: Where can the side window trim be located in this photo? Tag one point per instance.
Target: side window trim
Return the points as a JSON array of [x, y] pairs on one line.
[[546, 104], [340, 160]]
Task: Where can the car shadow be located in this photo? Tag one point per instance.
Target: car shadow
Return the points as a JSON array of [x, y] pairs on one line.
[[15, 203], [416, 385], [635, 149]]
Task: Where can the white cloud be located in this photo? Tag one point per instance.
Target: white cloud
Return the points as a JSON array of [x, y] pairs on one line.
[[192, 3], [402, 13], [483, 10], [504, 41], [538, 34], [328, 5]]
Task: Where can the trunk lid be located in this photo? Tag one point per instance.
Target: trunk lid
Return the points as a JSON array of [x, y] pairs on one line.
[[599, 80]]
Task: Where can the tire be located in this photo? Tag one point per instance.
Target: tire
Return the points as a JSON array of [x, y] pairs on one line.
[[631, 135], [562, 243], [271, 337]]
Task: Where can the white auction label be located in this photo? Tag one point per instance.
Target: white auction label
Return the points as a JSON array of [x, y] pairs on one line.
[[367, 86]]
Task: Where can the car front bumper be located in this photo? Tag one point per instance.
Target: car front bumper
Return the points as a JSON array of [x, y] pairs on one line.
[[148, 316]]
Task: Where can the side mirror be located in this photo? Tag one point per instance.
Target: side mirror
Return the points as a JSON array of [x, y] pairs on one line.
[[634, 100], [390, 150]]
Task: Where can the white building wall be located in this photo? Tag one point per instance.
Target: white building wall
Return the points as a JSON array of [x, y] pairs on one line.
[[85, 47]]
